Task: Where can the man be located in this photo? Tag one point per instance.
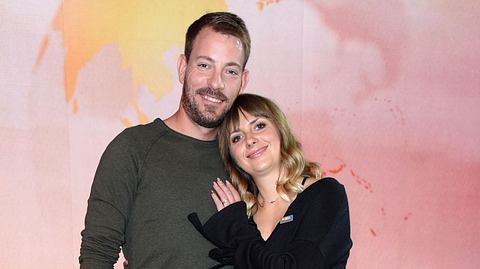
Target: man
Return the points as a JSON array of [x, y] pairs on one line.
[[152, 176]]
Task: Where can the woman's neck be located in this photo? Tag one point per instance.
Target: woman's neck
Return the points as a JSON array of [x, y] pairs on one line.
[[267, 186]]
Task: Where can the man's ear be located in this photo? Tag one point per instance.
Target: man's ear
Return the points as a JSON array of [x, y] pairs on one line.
[[245, 77], [181, 67]]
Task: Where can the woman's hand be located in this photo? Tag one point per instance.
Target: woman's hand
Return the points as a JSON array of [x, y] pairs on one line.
[[224, 195]]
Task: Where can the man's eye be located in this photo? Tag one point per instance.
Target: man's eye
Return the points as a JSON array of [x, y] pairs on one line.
[[232, 72], [203, 66]]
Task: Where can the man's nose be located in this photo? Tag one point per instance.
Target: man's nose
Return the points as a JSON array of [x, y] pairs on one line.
[[216, 80]]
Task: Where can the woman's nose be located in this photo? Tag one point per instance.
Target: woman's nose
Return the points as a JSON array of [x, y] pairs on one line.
[[251, 140]]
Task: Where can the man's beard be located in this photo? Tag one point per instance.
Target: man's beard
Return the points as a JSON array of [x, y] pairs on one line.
[[207, 119]]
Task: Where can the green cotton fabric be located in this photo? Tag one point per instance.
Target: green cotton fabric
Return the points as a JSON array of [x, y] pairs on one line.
[[148, 180]]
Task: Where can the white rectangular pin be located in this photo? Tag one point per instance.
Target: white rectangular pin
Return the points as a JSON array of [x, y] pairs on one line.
[[286, 219]]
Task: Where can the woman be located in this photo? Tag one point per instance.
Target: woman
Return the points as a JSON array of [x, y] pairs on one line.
[[283, 215]]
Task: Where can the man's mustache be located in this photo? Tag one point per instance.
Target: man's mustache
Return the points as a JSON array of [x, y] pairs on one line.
[[212, 92]]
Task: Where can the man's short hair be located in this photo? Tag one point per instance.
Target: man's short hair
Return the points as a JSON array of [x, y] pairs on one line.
[[221, 22]]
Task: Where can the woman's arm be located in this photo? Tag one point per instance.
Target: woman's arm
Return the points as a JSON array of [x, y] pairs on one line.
[[321, 236]]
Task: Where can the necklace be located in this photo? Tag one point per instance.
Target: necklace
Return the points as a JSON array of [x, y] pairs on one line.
[[270, 202]]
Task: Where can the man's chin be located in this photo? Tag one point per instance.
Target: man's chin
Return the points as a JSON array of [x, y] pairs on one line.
[[210, 121], [208, 116], [213, 109], [209, 124]]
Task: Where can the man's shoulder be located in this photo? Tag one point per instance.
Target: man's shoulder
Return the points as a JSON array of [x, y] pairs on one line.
[[154, 127], [144, 132], [140, 136]]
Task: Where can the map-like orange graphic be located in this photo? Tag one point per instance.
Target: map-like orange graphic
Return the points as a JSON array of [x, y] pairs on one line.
[[141, 30]]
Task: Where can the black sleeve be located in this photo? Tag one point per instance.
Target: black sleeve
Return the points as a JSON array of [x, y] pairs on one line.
[[322, 239], [111, 197]]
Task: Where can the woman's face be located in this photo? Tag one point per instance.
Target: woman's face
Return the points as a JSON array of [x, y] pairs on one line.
[[255, 146]]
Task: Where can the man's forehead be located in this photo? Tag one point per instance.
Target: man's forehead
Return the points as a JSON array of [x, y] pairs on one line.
[[210, 32]]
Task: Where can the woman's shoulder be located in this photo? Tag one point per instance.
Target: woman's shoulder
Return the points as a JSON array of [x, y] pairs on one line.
[[328, 184], [327, 181], [324, 191]]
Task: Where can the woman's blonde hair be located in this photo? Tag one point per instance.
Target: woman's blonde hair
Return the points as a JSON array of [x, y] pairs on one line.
[[292, 157]]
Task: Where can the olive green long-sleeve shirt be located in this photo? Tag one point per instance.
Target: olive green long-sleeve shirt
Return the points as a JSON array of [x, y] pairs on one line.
[[148, 180]]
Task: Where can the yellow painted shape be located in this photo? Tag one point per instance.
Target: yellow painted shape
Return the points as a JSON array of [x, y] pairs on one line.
[[142, 30]]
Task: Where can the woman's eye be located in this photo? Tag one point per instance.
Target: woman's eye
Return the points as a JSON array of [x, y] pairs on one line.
[[260, 125], [235, 139]]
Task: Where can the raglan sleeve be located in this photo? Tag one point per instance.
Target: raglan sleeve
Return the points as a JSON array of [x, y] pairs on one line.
[[110, 200], [321, 241]]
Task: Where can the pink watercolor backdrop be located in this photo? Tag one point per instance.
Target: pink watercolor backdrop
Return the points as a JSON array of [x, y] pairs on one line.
[[384, 94]]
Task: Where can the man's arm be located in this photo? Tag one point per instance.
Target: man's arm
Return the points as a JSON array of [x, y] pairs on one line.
[[111, 197]]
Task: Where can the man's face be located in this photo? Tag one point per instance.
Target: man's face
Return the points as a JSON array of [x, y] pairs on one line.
[[212, 78]]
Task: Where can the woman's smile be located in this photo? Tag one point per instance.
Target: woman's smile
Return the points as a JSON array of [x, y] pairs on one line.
[[257, 152]]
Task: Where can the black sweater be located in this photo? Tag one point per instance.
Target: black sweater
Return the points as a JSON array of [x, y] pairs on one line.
[[315, 232]]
